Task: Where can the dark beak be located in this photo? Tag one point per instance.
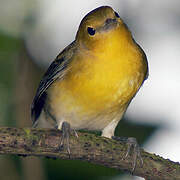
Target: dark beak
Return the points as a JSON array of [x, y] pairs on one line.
[[109, 24]]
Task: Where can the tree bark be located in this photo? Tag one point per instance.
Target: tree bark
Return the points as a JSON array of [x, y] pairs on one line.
[[87, 147]]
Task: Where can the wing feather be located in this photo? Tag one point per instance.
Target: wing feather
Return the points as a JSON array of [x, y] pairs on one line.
[[56, 70]]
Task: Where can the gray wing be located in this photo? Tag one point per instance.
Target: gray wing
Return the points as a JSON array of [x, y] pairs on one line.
[[55, 71]]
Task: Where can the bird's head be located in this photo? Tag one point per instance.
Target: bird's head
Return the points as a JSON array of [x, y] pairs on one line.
[[101, 26]]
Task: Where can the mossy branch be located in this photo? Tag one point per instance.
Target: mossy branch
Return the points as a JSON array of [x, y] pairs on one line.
[[87, 147]]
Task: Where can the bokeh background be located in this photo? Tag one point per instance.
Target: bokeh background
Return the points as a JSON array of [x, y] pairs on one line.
[[33, 32]]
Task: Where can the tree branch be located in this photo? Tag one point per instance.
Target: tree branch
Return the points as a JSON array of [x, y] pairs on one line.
[[87, 147]]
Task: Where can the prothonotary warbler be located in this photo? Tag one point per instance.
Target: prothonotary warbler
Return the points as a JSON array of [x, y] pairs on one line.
[[92, 81]]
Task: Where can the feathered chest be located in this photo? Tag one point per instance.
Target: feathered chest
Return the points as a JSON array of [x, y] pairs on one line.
[[101, 81]]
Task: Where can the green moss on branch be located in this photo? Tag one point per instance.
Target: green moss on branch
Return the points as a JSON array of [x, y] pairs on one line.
[[87, 147]]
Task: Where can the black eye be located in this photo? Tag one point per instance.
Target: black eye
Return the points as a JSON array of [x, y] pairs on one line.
[[91, 31], [116, 14]]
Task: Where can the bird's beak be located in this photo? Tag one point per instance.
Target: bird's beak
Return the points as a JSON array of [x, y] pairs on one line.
[[109, 24]]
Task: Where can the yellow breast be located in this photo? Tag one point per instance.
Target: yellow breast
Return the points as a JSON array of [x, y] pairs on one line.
[[104, 80]]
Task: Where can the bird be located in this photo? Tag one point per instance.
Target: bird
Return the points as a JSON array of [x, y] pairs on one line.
[[91, 83]]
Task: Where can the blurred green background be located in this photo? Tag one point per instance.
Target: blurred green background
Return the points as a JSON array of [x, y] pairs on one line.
[[29, 40]]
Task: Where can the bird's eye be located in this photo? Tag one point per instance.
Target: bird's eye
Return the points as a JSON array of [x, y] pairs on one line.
[[116, 14], [91, 31]]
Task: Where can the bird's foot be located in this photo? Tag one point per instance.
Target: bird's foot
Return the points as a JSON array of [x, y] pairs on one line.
[[132, 144], [66, 132]]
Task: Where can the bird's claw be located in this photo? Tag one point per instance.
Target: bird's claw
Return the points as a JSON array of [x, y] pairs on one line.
[[66, 132], [132, 144]]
